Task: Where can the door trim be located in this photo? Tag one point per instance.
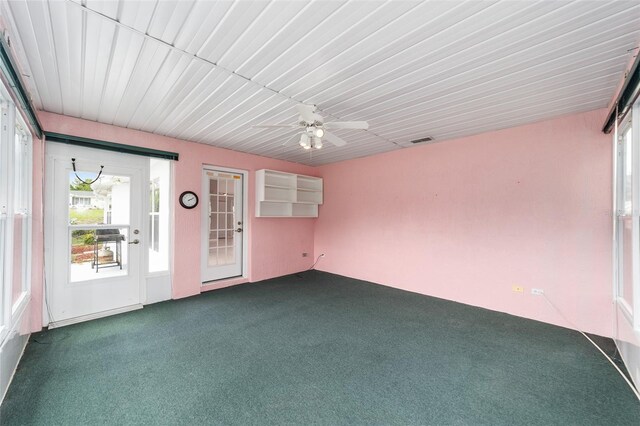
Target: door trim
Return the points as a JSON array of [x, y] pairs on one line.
[[110, 146], [246, 227]]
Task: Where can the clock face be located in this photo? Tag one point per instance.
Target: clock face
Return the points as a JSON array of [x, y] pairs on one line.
[[188, 199]]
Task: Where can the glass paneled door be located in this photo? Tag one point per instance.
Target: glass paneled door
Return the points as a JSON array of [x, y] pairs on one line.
[[222, 224], [94, 236]]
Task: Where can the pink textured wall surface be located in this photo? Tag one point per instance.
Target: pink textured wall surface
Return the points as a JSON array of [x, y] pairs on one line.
[[463, 220], [37, 238], [275, 245], [468, 219]]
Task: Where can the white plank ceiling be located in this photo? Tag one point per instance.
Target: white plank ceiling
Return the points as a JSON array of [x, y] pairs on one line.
[[206, 71]]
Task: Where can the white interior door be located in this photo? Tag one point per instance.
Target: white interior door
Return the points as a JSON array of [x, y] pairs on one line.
[[94, 232], [222, 224]]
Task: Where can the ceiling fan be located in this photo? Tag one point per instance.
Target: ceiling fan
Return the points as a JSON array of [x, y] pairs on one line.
[[313, 129]]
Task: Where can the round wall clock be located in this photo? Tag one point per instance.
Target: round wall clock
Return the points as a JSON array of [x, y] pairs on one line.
[[188, 199]]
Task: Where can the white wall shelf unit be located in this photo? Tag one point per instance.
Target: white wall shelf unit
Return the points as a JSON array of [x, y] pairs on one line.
[[280, 194]]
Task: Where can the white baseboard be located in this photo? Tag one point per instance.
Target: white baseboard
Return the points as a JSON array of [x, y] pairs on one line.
[[11, 351], [14, 366], [97, 315]]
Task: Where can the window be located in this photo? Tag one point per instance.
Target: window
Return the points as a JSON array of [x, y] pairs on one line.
[[627, 171], [22, 168], [627, 250], [22, 212], [154, 215], [625, 218], [158, 232], [15, 213], [81, 201], [4, 214]]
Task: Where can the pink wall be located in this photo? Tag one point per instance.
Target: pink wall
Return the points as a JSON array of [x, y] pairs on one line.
[[467, 219], [275, 245], [463, 220], [37, 238]]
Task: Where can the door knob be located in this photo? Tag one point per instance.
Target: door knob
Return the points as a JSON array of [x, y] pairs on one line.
[[239, 230], [136, 241]]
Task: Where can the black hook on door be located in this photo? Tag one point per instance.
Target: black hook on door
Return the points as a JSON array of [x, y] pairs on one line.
[[73, 163]]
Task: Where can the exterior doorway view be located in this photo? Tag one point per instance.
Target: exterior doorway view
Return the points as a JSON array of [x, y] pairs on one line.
[[222, 224], [94, 232]]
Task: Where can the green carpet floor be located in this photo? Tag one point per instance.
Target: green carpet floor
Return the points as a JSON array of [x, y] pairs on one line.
[[315, 348]]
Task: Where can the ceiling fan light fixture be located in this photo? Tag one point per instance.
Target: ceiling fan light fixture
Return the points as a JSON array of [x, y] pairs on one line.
[[304, 141], [314, 131], [317, 142]]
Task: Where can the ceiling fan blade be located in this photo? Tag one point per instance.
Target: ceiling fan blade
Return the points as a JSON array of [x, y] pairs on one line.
[[307, 113], [358, 125], [290, 139], [330, 137], [274, 125]]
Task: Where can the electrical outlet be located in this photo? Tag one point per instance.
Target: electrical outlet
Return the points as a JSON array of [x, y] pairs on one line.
[[305, 254], [517, 289], [537, 291]]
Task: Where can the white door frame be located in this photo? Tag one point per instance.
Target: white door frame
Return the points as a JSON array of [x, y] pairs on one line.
[[49, 210], [245, 216]]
